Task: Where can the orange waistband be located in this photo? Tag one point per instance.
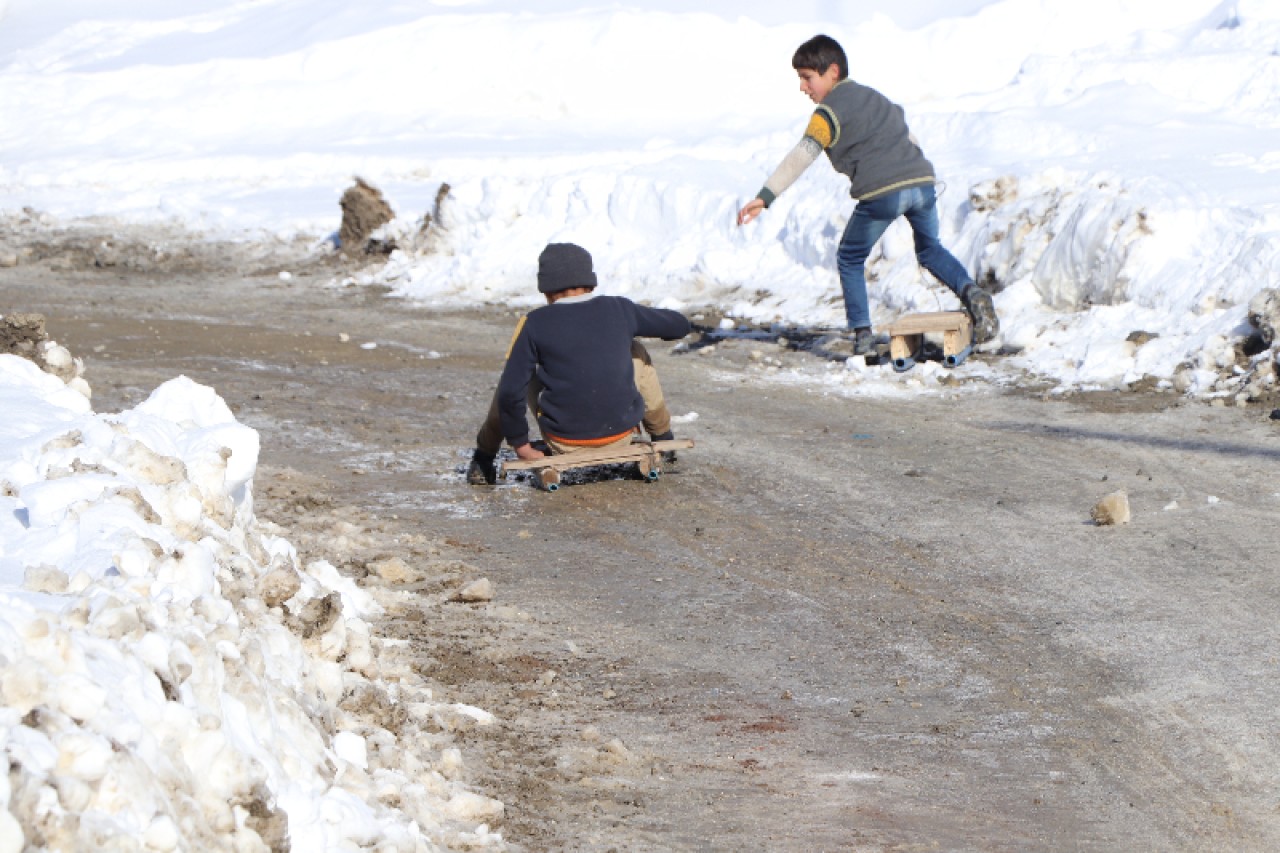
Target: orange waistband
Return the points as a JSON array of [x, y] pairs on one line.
[[591, 442]]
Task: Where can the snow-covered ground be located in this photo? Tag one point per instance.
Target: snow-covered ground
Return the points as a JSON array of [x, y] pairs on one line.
[[1109, 167]]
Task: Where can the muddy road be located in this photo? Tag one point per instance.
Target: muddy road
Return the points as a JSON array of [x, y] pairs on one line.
[[840, 624]]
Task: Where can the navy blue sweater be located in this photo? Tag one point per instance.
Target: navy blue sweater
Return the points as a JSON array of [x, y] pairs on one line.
[[580, 350]]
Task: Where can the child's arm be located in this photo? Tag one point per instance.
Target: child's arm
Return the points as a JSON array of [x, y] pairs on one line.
[[512, 391], [818, 135]]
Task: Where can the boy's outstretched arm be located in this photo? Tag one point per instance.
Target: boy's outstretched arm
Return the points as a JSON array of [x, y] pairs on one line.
[[817, 136], [750, 210]]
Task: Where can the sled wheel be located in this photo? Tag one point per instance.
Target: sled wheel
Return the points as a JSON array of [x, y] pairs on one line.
[[649, 468], [548, 479]]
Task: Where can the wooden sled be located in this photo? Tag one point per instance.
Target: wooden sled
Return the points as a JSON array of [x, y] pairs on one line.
[[906, 338], [646, 454]]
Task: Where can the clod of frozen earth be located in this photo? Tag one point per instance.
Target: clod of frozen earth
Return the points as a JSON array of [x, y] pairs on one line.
[[319, 615], [1141, 338], [364, 211], [24, 335], [459, 717], [45, 578], [991, 194], [450, 762], [278, 586], [20, 334], [618, 752], [476, 591], [394, 570], [1264, 314], [1113, 509], [464, 805]]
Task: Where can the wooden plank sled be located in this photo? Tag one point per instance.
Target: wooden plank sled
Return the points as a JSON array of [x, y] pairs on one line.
[[646, 454], [906, 337]]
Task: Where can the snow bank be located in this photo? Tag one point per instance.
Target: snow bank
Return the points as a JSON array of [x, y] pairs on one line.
[[1169, 242], [1135, 141], [169, 673]]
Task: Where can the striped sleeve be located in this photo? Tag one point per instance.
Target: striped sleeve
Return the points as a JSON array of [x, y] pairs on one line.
[[792, 167], [823, 127], [822, 132]]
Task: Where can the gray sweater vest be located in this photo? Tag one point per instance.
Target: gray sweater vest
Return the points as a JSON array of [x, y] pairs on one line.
[[871, 143]]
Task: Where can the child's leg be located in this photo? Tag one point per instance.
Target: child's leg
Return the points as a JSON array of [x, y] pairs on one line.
[[657, 418], [866, 226], [489, 437], [932, 255]]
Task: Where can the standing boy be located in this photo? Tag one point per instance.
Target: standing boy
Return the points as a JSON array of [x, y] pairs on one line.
[[575, 364], [865, 135]]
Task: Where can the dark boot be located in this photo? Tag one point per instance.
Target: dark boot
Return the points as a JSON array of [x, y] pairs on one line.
[[482, 471], [668, 456], [863, 341], [986, 325]]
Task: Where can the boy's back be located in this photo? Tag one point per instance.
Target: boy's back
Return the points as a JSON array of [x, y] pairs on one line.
[[871, 143], [579, 349]]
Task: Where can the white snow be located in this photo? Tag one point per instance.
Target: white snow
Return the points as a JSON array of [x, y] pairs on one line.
[[147, 691], [1111, 166]]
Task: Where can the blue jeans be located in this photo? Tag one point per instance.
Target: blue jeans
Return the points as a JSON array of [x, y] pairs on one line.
[[867, 225]]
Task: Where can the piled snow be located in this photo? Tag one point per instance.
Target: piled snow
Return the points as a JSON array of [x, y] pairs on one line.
[[1134, 143], [169, 673]]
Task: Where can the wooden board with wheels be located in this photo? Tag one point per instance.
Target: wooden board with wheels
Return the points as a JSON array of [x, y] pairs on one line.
[[906, 337], [646, 454]]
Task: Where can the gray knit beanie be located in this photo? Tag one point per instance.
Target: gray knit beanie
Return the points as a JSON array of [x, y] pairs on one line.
[[564, 265]]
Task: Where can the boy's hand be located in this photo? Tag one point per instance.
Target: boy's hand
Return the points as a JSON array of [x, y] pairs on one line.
[[528, 451], [750, 211]]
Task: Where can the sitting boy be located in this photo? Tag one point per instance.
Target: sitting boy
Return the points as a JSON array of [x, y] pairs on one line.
[[575, 364], [866, 138]]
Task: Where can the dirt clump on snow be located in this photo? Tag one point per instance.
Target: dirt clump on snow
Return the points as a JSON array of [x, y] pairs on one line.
[[271, 824], [20, 334], [1264, 314], [319, 614], [1112, 509], [364, 211], [24, 335]]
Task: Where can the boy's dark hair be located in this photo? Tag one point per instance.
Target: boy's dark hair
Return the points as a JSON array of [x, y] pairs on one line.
[[820, 53]]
